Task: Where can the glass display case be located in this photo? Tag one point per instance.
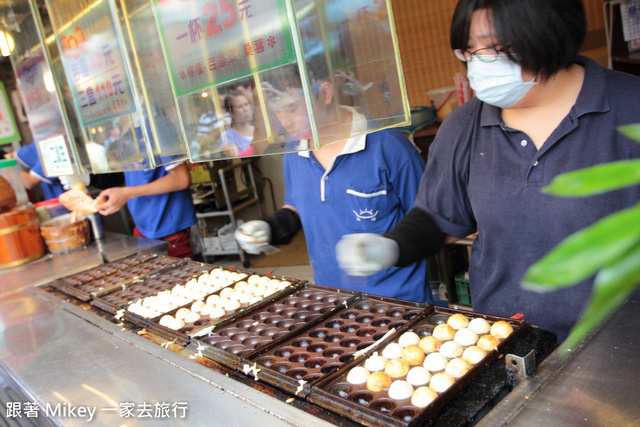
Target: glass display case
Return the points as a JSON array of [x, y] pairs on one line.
[[271, 76], [117, 82], [53, 129]]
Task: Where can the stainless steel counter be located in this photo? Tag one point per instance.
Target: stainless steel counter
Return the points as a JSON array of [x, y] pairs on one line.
[[594, 385], [80, 366]]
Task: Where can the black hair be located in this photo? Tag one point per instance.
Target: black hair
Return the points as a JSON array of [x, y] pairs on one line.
[[228, 103], [245, 82], [546, 35]]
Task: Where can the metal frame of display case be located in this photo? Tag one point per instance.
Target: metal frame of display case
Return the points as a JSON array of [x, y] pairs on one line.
[[231, 210]]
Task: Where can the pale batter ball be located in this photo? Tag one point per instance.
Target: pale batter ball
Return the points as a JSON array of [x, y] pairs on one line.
[[232, 306], [182, 312], [166, 320], [177, 324], [451, 350], [213, 299], [217, 313], [418, 376], [197, 306], [192, 317], [423, 396], [479, 326], [409, 338], [413, 355], [206, 310], [441, 381], [466, 337], [444, 332], [488, 342], [396, 368], [474, 354], [375, 363], [458, 321], [457, 368], [226, 292], [358, 375], [240, 286], [435, 362], [430, 344], [400, 390], [378, 381], [393, 351], [501, 329]]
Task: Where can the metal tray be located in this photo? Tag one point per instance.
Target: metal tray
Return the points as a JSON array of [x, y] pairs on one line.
[[299, 362], [376, 408], [135, 283], [277, 319], [205, 323], [81, 285]]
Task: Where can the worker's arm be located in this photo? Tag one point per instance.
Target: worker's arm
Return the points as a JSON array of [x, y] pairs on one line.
[[177, 179], [29, 180]]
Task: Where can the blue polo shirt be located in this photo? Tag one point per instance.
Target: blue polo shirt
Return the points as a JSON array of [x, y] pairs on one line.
[[28, 157], [370, 186], [159, 215], [483, 176]]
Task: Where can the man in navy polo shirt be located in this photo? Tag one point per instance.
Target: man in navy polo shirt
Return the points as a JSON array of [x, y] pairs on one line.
[[541, 110], [363, 183]]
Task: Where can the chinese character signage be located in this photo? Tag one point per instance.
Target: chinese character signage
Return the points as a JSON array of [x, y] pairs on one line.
[[8, 128], [211, 42], [94, 64]]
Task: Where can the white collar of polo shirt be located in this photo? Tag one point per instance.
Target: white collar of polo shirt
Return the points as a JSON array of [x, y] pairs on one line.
[[353, 144]]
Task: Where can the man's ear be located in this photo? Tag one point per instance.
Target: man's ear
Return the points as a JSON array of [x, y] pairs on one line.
[[325, 94]]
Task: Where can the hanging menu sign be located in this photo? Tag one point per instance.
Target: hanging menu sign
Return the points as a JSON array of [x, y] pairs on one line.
[[93, 61], [207, 43]]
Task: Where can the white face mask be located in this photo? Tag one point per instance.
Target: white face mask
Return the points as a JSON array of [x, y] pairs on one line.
[[498, 83]]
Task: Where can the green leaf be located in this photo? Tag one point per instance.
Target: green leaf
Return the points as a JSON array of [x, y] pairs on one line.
[[583, 253], [596, 180], [612, 286], [630, 131]]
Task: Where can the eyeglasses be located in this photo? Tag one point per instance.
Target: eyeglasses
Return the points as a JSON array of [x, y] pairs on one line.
[[491, 56]]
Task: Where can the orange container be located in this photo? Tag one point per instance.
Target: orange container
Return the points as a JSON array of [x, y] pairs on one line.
[[20, 240], [62, 235]]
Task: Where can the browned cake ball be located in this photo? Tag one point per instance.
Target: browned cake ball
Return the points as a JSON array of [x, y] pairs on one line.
[[444, 332], [458, 321], [378, 381], [413, 355], [429, 344], [474, 354], [396, 368], [441, 381], [423, 396], [488, 343], [501, 329], [457, 368]]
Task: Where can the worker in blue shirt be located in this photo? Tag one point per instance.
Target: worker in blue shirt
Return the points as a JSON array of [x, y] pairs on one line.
[[28, 157], [363, 183]]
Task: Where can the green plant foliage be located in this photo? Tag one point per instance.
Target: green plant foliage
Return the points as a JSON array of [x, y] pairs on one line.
[[596, 180], [585, 252], [610, 248]]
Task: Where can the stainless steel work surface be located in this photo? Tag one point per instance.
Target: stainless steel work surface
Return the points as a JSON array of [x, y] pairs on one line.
[[51, 267], [596, 384], [79, 366]]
